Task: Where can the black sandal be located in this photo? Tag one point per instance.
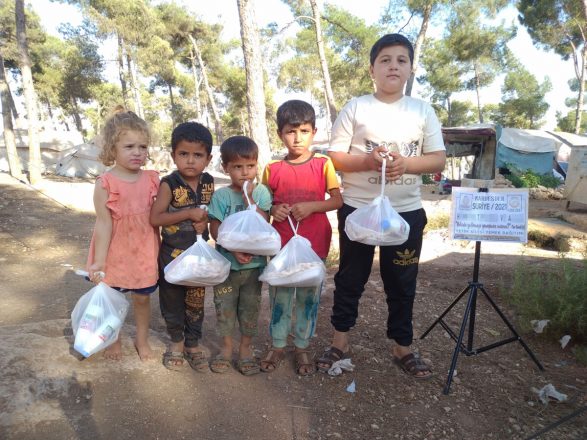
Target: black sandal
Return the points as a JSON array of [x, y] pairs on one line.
[[329, 357]]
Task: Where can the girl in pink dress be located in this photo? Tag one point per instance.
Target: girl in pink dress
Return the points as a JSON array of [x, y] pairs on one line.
[[124, 247]]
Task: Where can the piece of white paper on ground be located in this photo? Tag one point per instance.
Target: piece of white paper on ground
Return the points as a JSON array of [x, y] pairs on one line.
[[539, 325], [352, 387], [564, 341], [548, 392], [339, 366]]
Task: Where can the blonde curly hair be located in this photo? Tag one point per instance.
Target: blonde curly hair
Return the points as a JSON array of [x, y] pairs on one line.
[[119, 121]]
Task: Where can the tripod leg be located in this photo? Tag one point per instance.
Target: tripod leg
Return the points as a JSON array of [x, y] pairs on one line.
[[458, 348], [448, 309], [512, 329]]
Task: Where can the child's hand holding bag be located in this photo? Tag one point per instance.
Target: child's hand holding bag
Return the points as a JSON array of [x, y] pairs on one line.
[[296, 264], [97, 319], [247, 231], [377, 224], [198, 265]]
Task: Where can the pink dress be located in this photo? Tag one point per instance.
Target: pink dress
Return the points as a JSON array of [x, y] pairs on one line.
[[132, 256]]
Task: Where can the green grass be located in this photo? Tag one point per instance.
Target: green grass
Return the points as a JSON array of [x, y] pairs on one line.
[[558, 294]]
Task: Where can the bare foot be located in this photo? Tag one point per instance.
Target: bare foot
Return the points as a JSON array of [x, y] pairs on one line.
[[144, 351], [114, 351]]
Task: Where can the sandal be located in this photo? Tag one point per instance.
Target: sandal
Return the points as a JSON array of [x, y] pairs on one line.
[[173, 360], [304, 365], [329, 357], [220, 364], [414, 365], [197, 361], [272, 360], [248, 366]]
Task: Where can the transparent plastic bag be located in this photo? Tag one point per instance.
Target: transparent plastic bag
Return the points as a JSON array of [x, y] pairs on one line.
[[247, 231], [198, 265], [377, 224], [97, 319], [296, 265]]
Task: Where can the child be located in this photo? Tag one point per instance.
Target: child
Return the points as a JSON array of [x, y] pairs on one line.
[[407, 130], [124, 244], [177, 209], [299, 184], [239, 297]]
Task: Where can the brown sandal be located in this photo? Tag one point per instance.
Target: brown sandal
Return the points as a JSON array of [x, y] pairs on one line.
[[413, 365], [272, 360], [304, 364]]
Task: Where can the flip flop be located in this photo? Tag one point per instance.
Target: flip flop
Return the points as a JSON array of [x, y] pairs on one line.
[[248, 366], [272, 360], [412, 364], [173, 360], [220, 364], [303, 361], [197, 361], [329, 357]]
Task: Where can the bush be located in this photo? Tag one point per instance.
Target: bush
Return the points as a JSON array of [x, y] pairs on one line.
[[333, 257], [559, 295], [439, 220], [427, 179], [531, 179]]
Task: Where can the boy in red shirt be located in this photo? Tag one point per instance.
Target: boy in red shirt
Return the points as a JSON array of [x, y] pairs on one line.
[[299, 184]]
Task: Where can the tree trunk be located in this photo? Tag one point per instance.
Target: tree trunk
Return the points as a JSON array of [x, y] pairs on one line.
[[171, 104], [11, 104], [121, 73], [11, 151], [197, 82], [209, 92], [323, 64], [134, 86], [29, 93], [418, 46], [580, 98], [77, 118], [478, 91], [254, 74]]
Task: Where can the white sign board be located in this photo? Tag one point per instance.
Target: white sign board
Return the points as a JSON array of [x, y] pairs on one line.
[[495, 215]]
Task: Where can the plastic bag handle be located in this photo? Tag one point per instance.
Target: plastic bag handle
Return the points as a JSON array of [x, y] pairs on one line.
[[383, 164], [294, 229], [246, 195]]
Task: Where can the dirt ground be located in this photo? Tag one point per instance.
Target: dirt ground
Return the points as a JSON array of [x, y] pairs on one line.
[[48, 392]]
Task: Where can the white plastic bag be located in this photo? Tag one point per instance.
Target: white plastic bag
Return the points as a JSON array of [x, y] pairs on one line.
[[377, 224], [296, 264], [198, 265], [97, 319], [247, 231]]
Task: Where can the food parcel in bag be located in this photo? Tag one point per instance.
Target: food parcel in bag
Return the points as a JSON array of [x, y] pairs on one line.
[[377, 224], [296, 264], [198, 265], [247, 231], [97, 318]]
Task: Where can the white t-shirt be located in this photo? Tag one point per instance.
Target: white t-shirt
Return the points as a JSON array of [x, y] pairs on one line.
[[408, 126]]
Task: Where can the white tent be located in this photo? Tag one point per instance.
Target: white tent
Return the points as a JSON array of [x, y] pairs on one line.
[[80, 161]]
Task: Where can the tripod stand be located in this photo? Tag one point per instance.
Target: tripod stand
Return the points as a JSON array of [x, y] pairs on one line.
[[473, 288]]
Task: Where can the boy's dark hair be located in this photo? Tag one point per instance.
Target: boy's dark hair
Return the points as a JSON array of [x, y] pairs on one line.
[[391, 40], [296, 113], [236, 147], [191, 132]]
